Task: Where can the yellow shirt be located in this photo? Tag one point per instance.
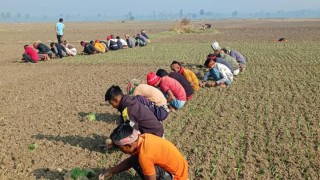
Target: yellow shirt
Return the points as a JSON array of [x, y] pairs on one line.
[[99, 47], [192, 78]]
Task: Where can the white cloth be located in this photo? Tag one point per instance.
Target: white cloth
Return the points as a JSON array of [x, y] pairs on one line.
[[236, 72], [114, 40], [124, 43], [215, 46], [225, 73]]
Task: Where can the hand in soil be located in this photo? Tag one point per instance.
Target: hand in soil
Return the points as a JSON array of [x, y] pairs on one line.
[[203, 84], [212, 84], [109, 144], [105, 173], [223, 85], [171, 109]]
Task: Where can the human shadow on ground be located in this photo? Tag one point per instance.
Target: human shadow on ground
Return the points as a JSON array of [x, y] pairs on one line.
[[91, 143], [46, 173], [106, 117]]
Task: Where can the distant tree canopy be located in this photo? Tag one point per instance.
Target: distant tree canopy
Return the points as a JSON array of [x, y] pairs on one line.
[[234, 14], [202, 12], [130, 16], [8, 15]]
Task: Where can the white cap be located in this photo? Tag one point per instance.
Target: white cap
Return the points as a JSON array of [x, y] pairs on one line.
[[215, 46]]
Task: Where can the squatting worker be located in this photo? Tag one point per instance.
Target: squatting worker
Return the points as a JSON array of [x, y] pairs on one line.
[[152, 157]]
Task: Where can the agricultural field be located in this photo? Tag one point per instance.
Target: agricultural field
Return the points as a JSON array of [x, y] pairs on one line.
[[266, 125]]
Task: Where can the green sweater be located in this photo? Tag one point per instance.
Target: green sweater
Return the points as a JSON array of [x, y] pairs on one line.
[[231, 60]]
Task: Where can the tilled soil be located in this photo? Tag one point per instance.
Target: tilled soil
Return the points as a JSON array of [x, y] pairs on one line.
[[47, 103]]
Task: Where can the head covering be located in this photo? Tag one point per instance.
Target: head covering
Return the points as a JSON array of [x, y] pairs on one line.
[[127, 140], [212, 57], [152, 78], [132, 85], [215, 46]]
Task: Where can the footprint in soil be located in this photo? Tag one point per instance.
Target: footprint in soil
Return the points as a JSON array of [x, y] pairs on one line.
[[106, 117], [91, 143]]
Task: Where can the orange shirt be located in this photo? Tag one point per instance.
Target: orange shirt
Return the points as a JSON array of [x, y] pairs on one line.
[[154, 150]]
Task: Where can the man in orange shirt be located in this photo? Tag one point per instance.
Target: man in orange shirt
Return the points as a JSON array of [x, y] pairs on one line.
[[152, 157]]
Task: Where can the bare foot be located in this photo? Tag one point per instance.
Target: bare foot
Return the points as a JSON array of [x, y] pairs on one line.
[[171, 109]]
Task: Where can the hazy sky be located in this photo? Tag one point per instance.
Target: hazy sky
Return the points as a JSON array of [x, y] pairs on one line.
[[139, 7]]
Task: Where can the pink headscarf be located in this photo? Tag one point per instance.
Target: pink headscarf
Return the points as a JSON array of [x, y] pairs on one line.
[[128, 140]]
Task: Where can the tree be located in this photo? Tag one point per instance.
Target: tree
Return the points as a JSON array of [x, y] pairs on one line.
[[3, 15], [201, 12], [99, 15], [27, 16], [268, 15], [130, 16], [181, 13], [234, 14], [8, 15], [18, 15]]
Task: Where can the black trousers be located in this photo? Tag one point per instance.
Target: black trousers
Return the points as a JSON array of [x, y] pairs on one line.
[[27, 58], [59, 37], [161, 174]]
